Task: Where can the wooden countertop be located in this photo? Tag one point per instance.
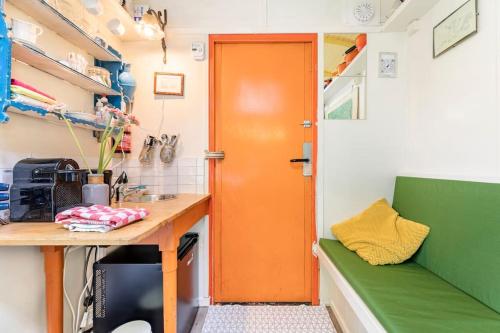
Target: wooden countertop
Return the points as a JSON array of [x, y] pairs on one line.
[[43, 233]]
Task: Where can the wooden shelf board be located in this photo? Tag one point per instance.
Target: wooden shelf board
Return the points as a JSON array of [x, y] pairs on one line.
[[357, 68], [53, 67], [54, 20], [409, 11]]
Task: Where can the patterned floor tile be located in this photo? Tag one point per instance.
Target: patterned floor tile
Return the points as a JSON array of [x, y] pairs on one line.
[[267, 319]]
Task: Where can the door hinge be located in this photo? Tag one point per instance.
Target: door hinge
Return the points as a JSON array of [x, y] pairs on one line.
[[315, 249]]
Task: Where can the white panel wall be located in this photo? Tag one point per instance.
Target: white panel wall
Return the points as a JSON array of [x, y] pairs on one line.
[[453, 124], [362, 157]]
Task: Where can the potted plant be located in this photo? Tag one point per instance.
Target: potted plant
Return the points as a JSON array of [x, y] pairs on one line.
[[96, 191]]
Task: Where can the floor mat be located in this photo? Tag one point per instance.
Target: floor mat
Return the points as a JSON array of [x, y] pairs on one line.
[[267, 319]]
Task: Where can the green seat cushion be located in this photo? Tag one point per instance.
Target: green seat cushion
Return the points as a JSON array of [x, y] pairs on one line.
[[409, 298], [463, 246]]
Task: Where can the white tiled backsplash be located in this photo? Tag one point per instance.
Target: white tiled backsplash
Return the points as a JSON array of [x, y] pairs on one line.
[[184, 175]]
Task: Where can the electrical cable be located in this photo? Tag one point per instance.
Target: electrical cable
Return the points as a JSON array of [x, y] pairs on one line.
[[67, 251], [75, 328], [87, 283], [160, 127]]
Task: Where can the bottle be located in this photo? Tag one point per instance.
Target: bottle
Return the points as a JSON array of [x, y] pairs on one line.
[[99, 111], [96, 192]]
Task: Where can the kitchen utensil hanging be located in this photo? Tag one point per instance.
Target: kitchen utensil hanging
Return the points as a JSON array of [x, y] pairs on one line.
[[167, 153], [148, 150]]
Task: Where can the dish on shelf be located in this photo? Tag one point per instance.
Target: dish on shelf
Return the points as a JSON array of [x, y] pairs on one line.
[[99, 74], [25, 31]]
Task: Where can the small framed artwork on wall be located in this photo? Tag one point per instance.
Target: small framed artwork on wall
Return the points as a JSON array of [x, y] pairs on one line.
[[169, 84], [457, 27]]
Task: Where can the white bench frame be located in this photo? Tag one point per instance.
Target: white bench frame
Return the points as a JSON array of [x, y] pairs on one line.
[[350, 311]]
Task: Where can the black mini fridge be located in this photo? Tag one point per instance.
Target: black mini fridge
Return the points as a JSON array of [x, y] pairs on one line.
[[128, 286]]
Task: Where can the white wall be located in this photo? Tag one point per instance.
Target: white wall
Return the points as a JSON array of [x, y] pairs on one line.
[[454, 121]]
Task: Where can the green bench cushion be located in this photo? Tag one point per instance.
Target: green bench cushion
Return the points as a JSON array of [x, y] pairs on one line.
[[409, 298], [463, 246]]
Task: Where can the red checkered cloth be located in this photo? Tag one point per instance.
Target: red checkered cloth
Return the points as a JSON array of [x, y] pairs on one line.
[[99, 218]]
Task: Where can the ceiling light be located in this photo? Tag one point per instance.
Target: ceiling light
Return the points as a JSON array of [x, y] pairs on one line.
[[152, 26]]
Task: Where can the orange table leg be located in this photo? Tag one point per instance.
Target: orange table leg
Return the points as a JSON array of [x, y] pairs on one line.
[[169, 264], [54, 264], [168, 247]]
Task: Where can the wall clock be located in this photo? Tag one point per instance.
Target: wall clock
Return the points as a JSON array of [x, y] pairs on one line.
[[388, 65], [362, 12]]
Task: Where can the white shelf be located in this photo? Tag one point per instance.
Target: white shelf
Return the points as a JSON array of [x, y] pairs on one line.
[[409, 11], [112, 9], [357, 68], [51, 66], [44, 13]]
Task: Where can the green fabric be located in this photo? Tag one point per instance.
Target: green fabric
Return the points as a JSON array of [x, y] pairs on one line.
[[407, 298], [463, 246]]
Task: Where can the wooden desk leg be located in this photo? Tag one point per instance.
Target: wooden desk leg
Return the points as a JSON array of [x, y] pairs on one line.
[[168, 242], [54, 264], [169, 267]]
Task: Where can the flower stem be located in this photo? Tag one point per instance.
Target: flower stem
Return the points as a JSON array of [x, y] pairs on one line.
[[78, 145]]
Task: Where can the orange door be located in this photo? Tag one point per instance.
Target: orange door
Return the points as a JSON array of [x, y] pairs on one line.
[[263, 89]]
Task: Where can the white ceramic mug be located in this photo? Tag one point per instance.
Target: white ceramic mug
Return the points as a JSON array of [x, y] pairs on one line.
[[26, 31]]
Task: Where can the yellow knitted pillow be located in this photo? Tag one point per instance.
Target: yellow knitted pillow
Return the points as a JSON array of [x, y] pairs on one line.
[[380, 236]]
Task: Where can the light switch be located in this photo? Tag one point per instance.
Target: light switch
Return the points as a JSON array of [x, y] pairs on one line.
[[198, 50]]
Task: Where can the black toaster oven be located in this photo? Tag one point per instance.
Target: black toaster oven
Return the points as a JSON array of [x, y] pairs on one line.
[[44, 187]]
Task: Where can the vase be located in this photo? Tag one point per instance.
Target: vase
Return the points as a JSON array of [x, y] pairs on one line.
[[96, 192], [128, 84]]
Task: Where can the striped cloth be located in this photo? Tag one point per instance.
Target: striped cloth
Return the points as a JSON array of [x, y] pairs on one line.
[[31, 94], [99, 218]]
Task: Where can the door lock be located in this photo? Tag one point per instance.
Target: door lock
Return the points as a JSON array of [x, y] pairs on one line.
[[306, 159]]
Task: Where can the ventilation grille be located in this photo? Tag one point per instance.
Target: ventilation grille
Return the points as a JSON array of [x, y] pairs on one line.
[[100, 293], [67, 195]]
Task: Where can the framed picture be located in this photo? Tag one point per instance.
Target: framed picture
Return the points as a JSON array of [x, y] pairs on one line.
[[169, 84], [457, 27]]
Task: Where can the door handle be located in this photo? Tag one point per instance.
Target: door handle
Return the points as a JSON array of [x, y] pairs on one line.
[[300, 160], [214, 155], [190, 260]]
